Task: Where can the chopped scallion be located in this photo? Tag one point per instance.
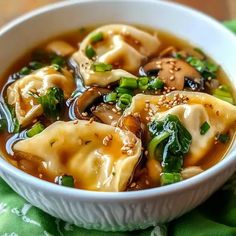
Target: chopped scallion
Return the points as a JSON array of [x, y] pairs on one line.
[[96, 37], [65, 180], [128, 82], [124, 101], [121, 91], [204, 128], [36, 129], [101, 67], [110, 97], [170, 178], [156, 83], [90, 52], [143, 83]]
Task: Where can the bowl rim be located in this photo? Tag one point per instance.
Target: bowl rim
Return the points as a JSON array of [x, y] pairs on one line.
[[119, 196]]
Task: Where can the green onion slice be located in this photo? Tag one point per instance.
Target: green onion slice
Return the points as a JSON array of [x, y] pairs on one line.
[[124, 101], [110, 97], [128, 82], [170, 178], [143, 83], [96, 37], [204, 128], [36, 129], [101, 67], [156, 84], [65, 180], [90, 52]]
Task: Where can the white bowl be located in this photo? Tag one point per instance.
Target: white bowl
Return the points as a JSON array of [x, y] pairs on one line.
[[125, 210]]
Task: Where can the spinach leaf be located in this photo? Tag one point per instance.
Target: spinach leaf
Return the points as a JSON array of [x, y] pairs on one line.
[[51, 102], [173, 138]]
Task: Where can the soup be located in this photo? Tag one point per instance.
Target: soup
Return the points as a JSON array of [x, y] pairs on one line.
[[115, 108]]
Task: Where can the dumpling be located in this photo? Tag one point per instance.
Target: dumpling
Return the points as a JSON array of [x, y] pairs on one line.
[[19, 94], [124, 46], [193, 109], [99, 156]]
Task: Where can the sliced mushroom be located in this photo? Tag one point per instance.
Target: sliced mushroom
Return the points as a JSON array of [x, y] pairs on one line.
[[172, 71], [133, 124], [107, 114], [86, 100]]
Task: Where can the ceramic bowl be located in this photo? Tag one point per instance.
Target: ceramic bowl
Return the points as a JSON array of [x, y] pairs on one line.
[[124, 210]]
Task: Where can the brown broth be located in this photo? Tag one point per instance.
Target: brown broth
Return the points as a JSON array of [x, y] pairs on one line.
[[34, 168]]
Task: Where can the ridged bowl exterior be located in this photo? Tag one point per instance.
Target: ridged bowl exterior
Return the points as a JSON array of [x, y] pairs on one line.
[[115, 215], [128, 210]]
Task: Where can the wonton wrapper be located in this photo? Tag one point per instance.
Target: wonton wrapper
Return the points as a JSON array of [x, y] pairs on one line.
[[19, 93], [122, 43], [77, 149], [200, 107]]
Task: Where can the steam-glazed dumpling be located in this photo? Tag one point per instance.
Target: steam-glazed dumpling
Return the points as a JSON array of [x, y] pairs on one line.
[[193, 109], [100, 157], [123, 46], [19, 94]]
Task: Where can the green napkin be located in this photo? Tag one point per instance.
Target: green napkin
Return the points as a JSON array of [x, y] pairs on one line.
[[216, 217]]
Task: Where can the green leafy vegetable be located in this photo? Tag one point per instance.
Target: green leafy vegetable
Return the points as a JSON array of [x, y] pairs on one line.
[[35, 65], [206, 68], [25, 71], [175, 140], [90, 52], [101, 67], [223, 92], [96, 37], [36, 129], [51, 102], [204, 128]]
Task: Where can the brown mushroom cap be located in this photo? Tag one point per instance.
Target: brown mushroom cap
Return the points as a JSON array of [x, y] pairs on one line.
[[86, 100], [173, 71]]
